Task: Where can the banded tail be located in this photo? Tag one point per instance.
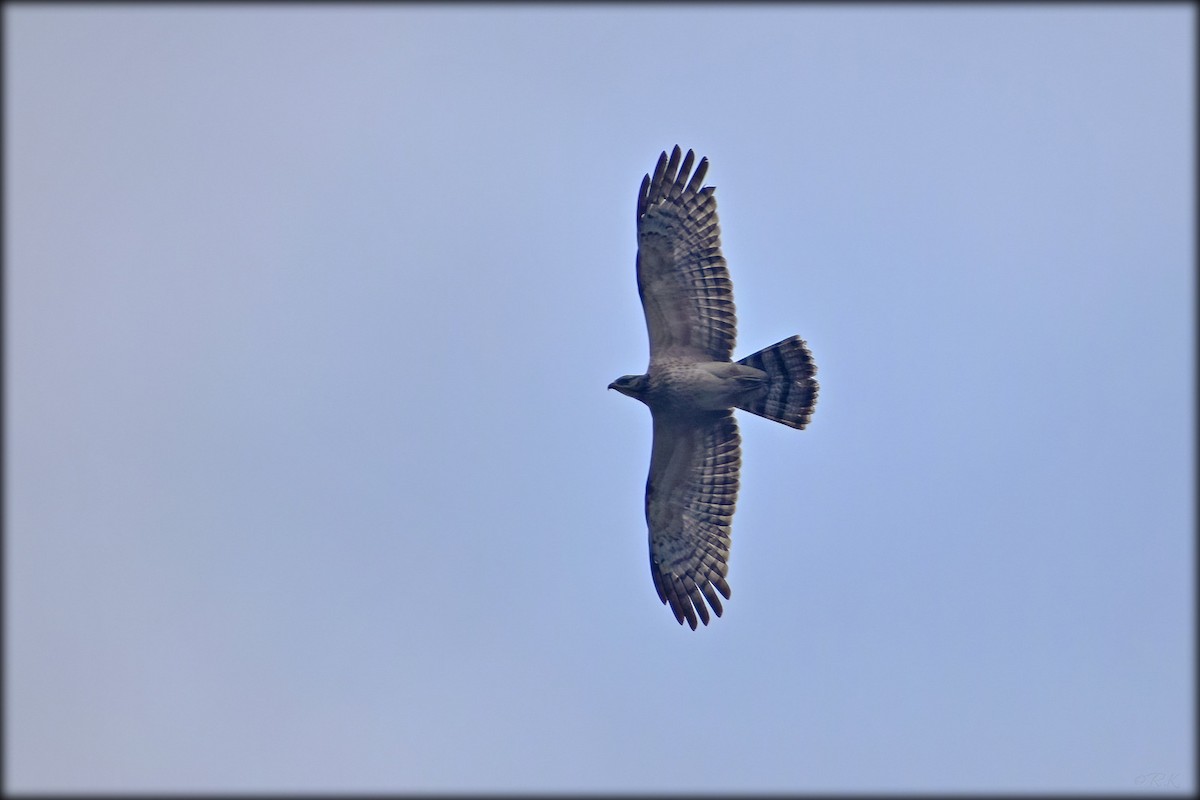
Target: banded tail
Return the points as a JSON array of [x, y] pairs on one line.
[[791, 392]]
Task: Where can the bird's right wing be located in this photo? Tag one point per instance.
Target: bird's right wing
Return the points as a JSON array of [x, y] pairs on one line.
[[690, 498]]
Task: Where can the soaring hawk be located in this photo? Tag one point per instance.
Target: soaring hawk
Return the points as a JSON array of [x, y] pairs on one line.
[[692, 386]]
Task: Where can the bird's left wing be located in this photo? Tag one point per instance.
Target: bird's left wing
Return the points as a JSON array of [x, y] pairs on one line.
[[690, 498], [682, 278]]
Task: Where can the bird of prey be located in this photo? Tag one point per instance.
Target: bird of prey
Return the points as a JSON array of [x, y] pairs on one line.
[[692, 386]]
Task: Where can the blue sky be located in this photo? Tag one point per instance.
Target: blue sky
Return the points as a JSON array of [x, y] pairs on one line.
[[312, 479]]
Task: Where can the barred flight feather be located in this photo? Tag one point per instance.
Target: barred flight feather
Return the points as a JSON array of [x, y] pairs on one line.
[[791, 392], [690, 499], [682, 276]]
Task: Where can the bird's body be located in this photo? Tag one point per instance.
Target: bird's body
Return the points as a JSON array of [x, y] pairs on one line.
[[685, 386], [692, 386]]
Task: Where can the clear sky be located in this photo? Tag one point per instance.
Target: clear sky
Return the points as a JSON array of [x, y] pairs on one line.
[[312, 479]]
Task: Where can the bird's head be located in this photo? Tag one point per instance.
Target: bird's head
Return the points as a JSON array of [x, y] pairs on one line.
[[630, 385]]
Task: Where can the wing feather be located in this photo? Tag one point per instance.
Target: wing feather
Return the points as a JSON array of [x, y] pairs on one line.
[[682, 277], [690, 497]]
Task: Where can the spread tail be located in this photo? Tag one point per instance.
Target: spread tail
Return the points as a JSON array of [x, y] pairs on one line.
[[791, 392]]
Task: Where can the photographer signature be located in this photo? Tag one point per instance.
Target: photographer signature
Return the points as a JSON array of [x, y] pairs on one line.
[[1158, 780]]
